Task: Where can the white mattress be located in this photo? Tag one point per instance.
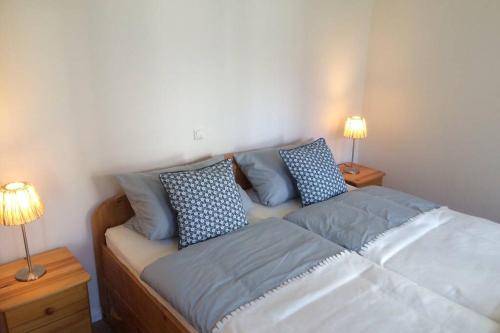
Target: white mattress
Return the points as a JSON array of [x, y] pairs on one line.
[[351, 188], [137, 252], [260, 212]]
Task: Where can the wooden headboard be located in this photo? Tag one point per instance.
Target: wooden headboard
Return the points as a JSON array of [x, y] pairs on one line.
[[238, 174]]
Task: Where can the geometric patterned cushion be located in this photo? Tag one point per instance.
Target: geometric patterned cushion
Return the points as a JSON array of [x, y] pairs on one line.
[[316, 174], [207, 202]]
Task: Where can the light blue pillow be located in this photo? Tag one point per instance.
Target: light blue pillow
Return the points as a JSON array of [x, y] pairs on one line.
[[155, 218], [245, 199], [207, 202], [268, 175], [316, 174], [252, 195]]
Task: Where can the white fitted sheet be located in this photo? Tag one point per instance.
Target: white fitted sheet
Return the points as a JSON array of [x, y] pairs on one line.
[[135, 250], [260, 212]]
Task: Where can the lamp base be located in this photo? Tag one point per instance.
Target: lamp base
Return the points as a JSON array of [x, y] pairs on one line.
[[351, 170], [24, 275]]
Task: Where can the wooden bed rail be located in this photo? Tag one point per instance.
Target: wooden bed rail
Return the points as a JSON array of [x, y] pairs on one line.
[[112, 212]]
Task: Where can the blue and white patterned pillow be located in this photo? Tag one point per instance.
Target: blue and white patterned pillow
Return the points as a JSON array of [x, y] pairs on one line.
[[316, 174], [207, 202]]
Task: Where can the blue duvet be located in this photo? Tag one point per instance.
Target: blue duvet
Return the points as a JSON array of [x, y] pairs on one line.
[[208, 280], [355, 218]]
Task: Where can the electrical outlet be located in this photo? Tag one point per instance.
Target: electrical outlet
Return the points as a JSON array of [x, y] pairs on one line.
[[198, 134]]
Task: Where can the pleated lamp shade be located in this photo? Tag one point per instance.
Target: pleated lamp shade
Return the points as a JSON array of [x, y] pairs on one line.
[[19, 204], [355, 128]]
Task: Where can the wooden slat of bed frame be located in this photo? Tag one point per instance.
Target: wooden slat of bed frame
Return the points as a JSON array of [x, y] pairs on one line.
[[132, 306], [126, 304]]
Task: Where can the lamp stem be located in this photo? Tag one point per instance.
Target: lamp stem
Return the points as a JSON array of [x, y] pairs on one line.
[[28, 257], [352, 156]]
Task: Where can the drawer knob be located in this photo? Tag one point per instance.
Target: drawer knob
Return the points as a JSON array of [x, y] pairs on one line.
[[50, 311]]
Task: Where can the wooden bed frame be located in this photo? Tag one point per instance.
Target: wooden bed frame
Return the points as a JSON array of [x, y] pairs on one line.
[[126, 304]]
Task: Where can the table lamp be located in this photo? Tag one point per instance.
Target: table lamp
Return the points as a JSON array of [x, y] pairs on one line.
[[20, 205], [355, 128]]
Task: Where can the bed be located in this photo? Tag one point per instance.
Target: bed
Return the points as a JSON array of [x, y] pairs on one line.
[[131, 305], [296, 282]]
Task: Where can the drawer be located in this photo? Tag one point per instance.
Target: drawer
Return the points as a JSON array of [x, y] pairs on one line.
[[40, 313], [76, 323]]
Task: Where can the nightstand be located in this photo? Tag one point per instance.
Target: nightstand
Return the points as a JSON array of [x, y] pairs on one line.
[[365, 177], [57, 302]]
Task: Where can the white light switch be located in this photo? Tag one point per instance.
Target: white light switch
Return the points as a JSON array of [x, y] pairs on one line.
[[198, 134]]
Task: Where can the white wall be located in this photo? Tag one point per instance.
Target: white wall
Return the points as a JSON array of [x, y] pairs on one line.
[[433, 102], [92, 88], [336, 57]]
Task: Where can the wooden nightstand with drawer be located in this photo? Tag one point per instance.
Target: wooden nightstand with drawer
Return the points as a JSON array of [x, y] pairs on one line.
[[57, 302]]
